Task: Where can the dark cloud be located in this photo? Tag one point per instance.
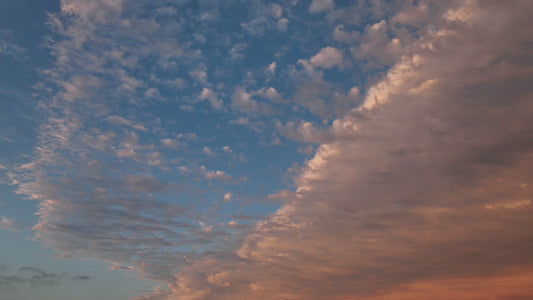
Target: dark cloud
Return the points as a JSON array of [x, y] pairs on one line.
[[82, 278], [35, 277]]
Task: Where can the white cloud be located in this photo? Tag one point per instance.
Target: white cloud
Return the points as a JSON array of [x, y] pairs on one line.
[[272, 68], [412, 14], [282, 24], [228, 197], [99, 11], [9, 47], [328, 58], [341, 35], [9, 224], [118, 120], [270, 94], [212, 97], [207, 151], [227, 149], [221, 175], [321, 5], [237, 51], [242, 101], [276, 10], [170, 143], [377, 43], [199, 75], [153, 93]]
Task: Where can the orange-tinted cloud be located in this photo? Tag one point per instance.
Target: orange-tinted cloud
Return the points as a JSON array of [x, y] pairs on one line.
[[428, 198]]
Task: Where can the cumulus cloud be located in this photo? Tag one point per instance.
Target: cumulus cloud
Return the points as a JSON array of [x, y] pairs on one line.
[[219, 175], [199, 75], [207, 151], [9, 224], [270, 94], [327, 58], [377, 44], [321, 5], [8, 46], [209, 95], [227, 197], [242, 101]]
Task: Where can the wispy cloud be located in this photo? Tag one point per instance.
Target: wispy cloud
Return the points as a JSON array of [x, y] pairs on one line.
[[10, 224], [9, 47]]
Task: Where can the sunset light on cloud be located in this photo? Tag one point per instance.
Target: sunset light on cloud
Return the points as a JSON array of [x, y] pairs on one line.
[[299, 149]]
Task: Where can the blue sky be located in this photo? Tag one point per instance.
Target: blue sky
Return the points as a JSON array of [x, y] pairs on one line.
[[293, 149]]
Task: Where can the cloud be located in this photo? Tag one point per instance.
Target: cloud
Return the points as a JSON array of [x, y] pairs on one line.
[[264, 18], [171, 143], [8, 46], [9, 224], [220, 175], [420, 181], [35, 278], [272, 68], [321, 5], [123, 268], [399, 210], [311, 133], [199, 75], [118, 120], [207, 151], [270, 94], [376, 43], [242, 101], [99, 11], [209, 95], [227, 197], [412, 14], [82, 278], [327, 58]]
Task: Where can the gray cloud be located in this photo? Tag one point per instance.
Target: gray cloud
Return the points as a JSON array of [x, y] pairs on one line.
[[34, 277]]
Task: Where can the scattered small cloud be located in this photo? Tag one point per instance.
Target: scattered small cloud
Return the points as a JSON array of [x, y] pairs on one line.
[[9, 224], [228, 197]]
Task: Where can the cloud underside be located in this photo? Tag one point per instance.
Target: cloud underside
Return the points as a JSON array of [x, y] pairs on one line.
[[424, 191]]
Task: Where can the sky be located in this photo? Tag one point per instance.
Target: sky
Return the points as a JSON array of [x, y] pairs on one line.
[[253, 149]]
